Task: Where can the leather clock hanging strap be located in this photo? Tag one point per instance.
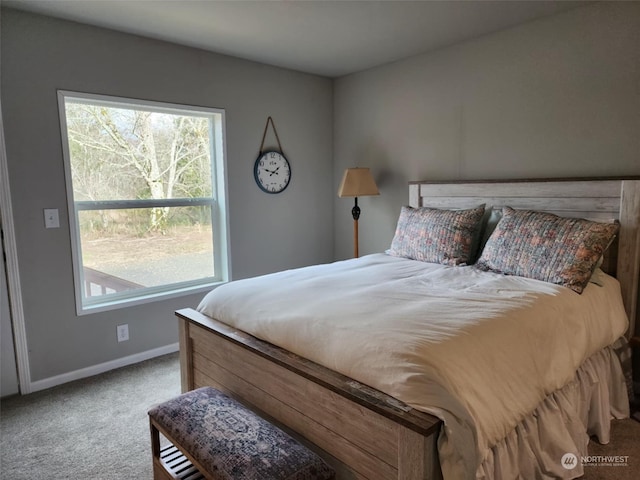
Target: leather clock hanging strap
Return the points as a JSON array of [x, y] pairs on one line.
[[273, 125]]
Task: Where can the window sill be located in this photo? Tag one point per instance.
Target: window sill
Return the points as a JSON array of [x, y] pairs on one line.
[[143, 299]]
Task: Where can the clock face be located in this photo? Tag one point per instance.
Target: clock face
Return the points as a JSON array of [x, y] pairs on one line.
[[272, 172]]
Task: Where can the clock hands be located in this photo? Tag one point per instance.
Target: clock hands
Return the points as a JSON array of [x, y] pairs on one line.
[[271, 172]]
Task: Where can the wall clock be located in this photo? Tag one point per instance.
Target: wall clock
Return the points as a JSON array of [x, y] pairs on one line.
[[272, 171]]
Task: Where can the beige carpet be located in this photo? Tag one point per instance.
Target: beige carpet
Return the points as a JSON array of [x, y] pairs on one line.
[[625, 442], [91, 429]]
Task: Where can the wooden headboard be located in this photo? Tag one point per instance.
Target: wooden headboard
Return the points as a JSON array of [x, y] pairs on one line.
[[594, 199]]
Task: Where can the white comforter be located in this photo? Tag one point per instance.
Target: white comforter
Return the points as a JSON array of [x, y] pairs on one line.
[[478, 350]]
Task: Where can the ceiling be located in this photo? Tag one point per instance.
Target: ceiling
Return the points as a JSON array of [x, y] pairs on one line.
[[329, 38]]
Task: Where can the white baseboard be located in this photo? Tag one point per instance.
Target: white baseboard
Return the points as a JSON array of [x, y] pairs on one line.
[[102, 367]]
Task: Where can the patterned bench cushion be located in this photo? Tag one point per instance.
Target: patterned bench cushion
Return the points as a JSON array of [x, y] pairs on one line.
[[231, 442]]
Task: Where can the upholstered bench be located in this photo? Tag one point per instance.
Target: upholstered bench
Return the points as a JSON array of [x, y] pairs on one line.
[[216, 438]]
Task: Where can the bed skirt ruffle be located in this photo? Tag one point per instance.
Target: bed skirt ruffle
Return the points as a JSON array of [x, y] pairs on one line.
[[559, 429]]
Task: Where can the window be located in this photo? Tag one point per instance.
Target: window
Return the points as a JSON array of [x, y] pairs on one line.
[[146, 193]]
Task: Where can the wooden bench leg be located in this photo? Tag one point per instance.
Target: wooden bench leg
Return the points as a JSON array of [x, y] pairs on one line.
[[169, 463]]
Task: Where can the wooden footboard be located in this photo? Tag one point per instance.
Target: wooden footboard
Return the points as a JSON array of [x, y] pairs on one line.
[[363, 432]]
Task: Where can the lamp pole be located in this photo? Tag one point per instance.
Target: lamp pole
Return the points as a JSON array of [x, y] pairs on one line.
[[355, 211]]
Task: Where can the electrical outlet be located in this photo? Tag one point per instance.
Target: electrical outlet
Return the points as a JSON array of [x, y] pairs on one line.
[[123, 332]]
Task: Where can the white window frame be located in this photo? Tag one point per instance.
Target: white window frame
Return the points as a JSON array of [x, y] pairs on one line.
[[218, 203]]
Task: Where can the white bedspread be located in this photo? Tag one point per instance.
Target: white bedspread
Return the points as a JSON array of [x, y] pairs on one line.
[[476, 349]]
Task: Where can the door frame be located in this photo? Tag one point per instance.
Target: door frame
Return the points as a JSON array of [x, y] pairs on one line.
[[13, 273]]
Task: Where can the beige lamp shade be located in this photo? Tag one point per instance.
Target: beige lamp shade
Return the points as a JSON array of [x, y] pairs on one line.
[[357, 182]]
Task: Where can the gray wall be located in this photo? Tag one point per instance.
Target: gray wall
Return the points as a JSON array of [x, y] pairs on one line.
[[268, 232], [555, 97]]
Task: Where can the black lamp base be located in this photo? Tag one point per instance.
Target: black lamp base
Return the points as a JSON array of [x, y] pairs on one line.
[[355, 211]]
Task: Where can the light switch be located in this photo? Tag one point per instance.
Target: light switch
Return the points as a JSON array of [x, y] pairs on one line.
[[51, 219]]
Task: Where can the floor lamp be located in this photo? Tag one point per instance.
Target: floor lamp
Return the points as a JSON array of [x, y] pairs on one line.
[[357, 182]]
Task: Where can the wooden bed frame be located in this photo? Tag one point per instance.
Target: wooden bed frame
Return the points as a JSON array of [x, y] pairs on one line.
[[364, 433]]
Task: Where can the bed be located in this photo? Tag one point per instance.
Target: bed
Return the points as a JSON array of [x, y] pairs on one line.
[[392, 432]]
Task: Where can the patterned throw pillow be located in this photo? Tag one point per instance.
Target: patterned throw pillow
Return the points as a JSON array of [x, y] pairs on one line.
[[546, 247], [436, 236]]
